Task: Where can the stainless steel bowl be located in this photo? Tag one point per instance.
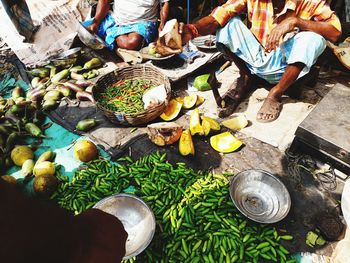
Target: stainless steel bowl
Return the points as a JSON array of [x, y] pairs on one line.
[[260, 196], [91, 40], [66, 58], [138, 220]]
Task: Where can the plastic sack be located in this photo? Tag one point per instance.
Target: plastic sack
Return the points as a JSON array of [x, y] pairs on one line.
[[341, 254]]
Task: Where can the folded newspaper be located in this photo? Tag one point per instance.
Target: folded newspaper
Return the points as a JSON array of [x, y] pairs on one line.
[[58, 21]]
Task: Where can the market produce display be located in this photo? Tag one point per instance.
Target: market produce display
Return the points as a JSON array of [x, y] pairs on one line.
[[196, 220], [125, 96], [49, 85], [19, 120]]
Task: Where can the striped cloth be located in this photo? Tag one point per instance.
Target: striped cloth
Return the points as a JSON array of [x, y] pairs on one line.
[[261, 15]]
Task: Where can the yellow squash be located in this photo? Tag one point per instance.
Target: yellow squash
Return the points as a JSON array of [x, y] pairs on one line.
[[199, 101], [172, 110], [186, 146], [206, 127], [225, 142], [189, 101], [195, 125], [214, 125], [236, 123]]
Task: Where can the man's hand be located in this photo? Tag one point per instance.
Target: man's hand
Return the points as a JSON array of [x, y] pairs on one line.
[[93, 27], [274, 39], [185, 32]]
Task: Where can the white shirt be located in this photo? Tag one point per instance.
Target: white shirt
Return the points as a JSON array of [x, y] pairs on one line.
[[131, 11]]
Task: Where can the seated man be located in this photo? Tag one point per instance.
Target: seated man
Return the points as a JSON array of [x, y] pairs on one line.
[[284, 41], [132, 23]]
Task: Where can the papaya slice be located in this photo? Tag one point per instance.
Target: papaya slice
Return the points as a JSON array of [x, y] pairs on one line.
[[186, 145], [189, 101], [214, 125], [225, 142], [236, 123], [195, 125], [172, 110], [199, 101]]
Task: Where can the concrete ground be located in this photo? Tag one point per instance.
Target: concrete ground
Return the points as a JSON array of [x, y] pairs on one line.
[[308, 196]]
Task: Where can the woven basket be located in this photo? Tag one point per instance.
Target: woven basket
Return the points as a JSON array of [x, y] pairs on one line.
[[144, 72]]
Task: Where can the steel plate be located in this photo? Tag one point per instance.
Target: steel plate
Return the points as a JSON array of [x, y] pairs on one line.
[[199, 42], [146, 55]]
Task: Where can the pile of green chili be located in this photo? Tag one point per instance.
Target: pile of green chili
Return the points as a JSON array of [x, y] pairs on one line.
[[125, 96], [196, 219]]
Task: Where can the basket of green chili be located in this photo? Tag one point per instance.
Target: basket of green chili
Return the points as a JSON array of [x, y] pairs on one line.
[[118, 94]]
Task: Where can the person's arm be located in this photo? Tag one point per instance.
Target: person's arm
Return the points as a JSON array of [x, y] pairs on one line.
[[287, 25], [101, 11], [164, 14], [209, 24], [322, 21], [325, 29]]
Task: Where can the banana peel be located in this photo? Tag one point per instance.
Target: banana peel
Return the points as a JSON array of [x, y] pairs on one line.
[[195, 124], [186, 145], [225, 142], [172, 110]]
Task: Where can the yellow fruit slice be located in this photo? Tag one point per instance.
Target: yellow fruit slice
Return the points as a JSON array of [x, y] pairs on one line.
[[236, 123], [199, 101], [195, 125], [180, 99], [190, 101], [225, 142], [206, 127], [186, 146], [172, 110], [214, 125]]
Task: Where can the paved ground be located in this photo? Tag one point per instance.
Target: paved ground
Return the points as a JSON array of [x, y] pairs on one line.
[[308, 196]]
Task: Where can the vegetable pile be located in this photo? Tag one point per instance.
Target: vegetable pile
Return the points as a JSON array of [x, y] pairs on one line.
[[125, 96], [197, 221], [49, 85], [19, 119]]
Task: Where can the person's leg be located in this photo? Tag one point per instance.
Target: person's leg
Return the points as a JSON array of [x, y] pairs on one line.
[[132, 41], [134, 36], [240, 46], [300, 52]]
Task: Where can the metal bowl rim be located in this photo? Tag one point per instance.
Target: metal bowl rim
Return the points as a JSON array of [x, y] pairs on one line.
[[69, 52], [275, 178], [138, 251], [87, 37]]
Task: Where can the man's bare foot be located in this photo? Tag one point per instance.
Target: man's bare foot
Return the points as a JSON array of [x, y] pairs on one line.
[[233, 97]]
